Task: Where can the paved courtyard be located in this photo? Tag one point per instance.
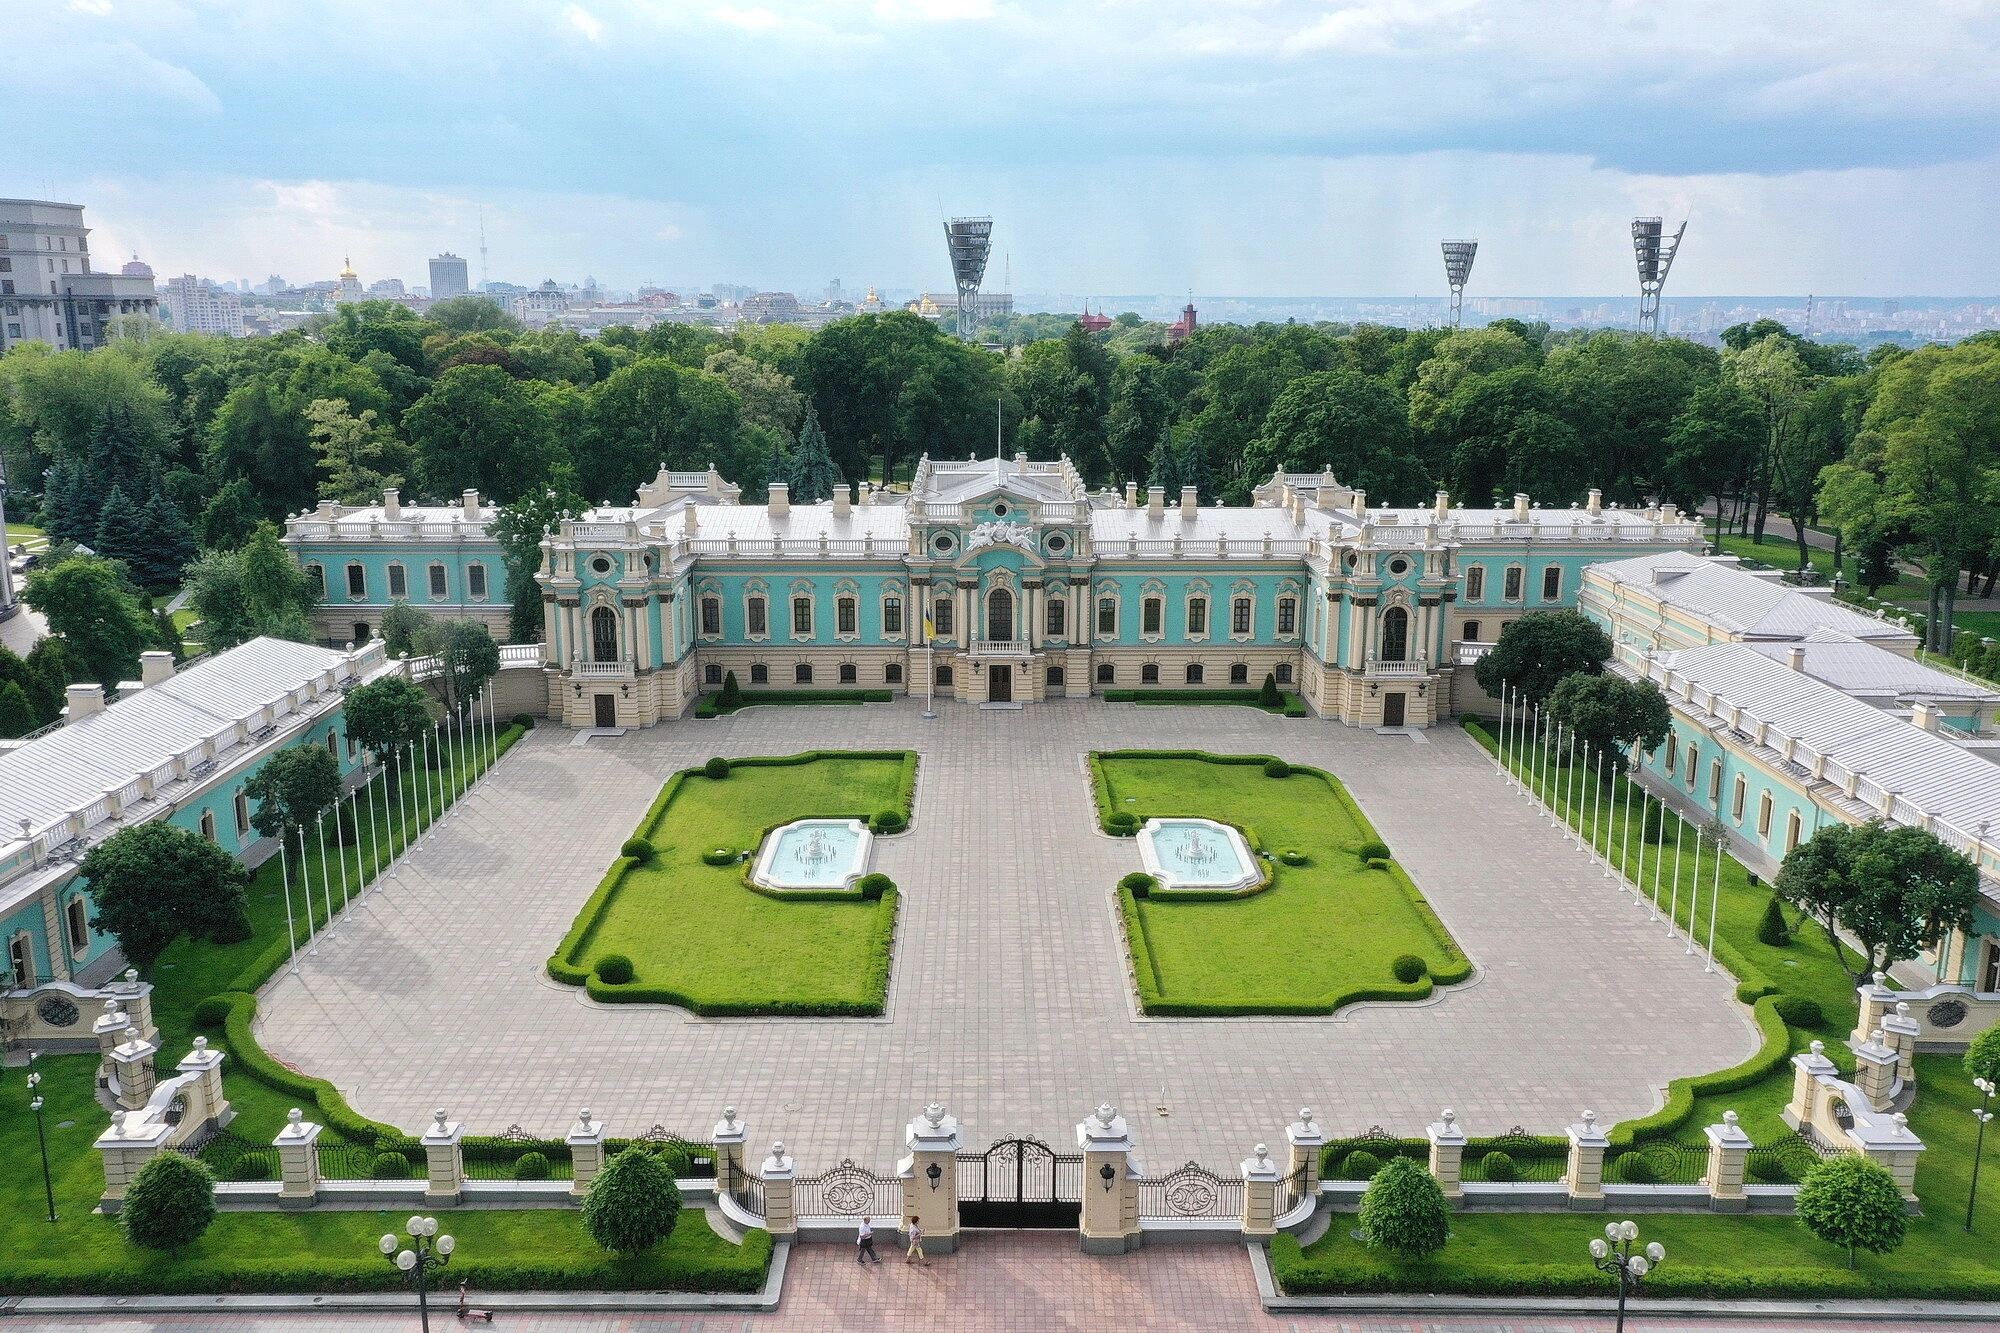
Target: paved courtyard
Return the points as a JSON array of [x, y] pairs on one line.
[[1009, 999]]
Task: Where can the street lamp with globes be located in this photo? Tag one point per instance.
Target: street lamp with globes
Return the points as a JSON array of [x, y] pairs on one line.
[[1987, 1087], [1614, 1254], [430, 1251]]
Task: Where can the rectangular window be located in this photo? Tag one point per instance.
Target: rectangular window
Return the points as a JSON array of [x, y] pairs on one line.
[[844, 615], [1239, 673], [1475, 584], [1673, 753], [1284, 673], [1057, 621], [1791, 830], [1692, 751], [79, 927], [1470, 633], [1198, 615], [242, 815], [208, 825], [316, 580], [1055, 678], [848, 674], [1764, 815], [1715, 782], [1736, 800], [711, 615], [711, 674], [1149, 616], [438, 587], [1552, 583], [357, 582], [892, 615], [753, 616], [1194, 673], [760, 674], [1107, 615], [941, 677], [1239, 616], [1511, 590], [475, 582], [802, 674], [1106, 674], [941, 618], [1149, 674], [802, 615], [399, 582], [892, 673], [1288, 615], [6, 266]]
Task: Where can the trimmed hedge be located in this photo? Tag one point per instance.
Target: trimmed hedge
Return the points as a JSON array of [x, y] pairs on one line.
[[719, 856], [1799, 1011], [874, 884], [1139, 884], [1245, 698], [889, 822], [1277, 768], [712, 706], [1292, 856], [716, 769], [638, 849]]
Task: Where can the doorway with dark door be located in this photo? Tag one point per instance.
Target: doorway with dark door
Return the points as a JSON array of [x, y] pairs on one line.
[[999, 684], [607, 709], [1392, 710]]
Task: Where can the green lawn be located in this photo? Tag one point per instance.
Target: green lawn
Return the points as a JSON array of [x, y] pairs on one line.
[[699, 937], [276, 1251], [1324, 934]]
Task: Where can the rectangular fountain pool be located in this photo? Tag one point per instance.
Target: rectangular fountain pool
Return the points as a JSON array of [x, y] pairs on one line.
[[814, 854], [1196, 854]]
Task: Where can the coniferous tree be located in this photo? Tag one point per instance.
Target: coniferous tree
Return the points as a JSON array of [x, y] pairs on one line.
[[813, 473], [17, 714], [778, 464], [46, 673], [1163, 469], [167, 541], [59, 510], [1192, 460], [230, 517]]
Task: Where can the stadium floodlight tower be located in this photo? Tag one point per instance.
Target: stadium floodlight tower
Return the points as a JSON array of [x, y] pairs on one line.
[[1457, 268], [970, 240], [1655, 251]]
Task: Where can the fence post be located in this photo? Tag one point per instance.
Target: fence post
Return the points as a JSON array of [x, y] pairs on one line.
[[781, 1214], [1877, 1001], [1728, 1155], [1448, 1154], [1894, 1148], [445, 1159], [930, 1177], [1111, 1171], [128, 1145], [1899, 1033], [1260, 1196], [206, 1064], [298, 1161], [586, 1152], [1875, 1071], [728, 1138], [111, 1029], [138, 1002], [1308, 1142], [1807, 1070], [132, 1069], [1585, 1177]]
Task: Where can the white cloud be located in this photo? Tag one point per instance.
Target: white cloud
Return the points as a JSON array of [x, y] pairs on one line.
[[584, 22]]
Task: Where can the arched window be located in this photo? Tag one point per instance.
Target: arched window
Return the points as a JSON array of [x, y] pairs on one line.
[[360, 632], [1194, 673], [1471, 631], [1395, 635], [1000, 614], [604, 635]]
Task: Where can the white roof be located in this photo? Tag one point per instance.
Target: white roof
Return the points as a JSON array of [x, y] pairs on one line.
[[53, 775], [1741, 603], [1864, 670], [954, 482]]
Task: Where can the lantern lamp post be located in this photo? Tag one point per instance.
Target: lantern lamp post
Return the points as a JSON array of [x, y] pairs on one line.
[[428, 1251], [1614, 1255]]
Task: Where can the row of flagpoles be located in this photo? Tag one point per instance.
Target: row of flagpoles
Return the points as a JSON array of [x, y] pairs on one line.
[[1540, 757]]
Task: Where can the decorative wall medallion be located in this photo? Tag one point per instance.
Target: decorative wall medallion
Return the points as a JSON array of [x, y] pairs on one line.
[[997, 534], [1946, 1013], [57, 1011]]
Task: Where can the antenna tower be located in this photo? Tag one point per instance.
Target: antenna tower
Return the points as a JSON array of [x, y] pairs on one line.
[[485, 280], [1655, 251], [1457, 268], [969, 240]]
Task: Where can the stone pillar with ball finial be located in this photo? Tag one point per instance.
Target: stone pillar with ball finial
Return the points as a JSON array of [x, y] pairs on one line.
[[929, 1175]]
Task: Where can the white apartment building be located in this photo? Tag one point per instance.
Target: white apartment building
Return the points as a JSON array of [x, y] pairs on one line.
[[48, 290], [196, 305]]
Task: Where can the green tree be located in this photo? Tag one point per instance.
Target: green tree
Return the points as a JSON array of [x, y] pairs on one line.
[[471, 314], [293, 789], [1404, 1210], [166, 542], [767, 394], [276, 592], [467, 659], [229, 517], [214, 585], [89, 604], [17, 714], [654, 414], [1537, 652], [120, 532], [387, 715], [520, 528], [1853, 1202], [1142, 405], [403, 625], [1896, 890], [1710, 444], [479, 429], [169, 1204], [874, 379], [1344, 420], [814, 475], [359, 456], [152, 882], [1163, 468], [633, 1203], [1982, 1058], [1610, 715]]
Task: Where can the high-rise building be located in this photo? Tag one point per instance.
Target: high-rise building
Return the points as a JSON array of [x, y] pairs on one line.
[[448, 277], [196, 305], [48, 291]]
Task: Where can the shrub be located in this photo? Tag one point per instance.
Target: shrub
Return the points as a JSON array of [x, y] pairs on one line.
[[1292, 856], [716, 768], [233, 931], [1378, 863], [1294, 706], [1122, 823], [1408, 968], [1360, 1165], [249, 1167], [212, 1012], [732, 693], [1498, 1166], [891, 821], [169, 1203], [638, 849], [390, 1166], [524, 721], [1139, 884], [531, 1166], [1277, 768], [1852, 1202], [633, 1203], [1799, 1011], [1773, 929], [1373, 850], [718, 856], [1268, 694], [614, 969], [874, 884], [1404, 1211], [1982, 1058]]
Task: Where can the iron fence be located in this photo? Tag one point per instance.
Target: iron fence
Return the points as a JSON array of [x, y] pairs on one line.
[[1786, 1161], [848, 1190], [1290, 1193], [1659, 1162], [1189, 1193], [1516, 1157]]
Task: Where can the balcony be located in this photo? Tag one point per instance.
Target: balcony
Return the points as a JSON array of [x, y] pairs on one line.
[[1000, 648], [1469, 651], [1412, 670], [602, 670]]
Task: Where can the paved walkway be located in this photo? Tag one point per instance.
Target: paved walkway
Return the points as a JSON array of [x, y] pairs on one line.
[[1009, 999]]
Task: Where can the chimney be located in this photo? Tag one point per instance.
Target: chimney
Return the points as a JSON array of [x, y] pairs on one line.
[[1190, 501], [1131, 495], [1443, 507], [1298, 506], [1925, 715], [1021, 461], [1156, 502], [1596, 505], [1361, 503], [392, 504], [842, 501], [472, 505], [781, 499], [83, 701], [1795, 657], [155, 667], [1520, 506], [691, 519]]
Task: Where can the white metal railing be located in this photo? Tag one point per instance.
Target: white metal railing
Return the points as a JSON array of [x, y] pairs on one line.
[[396, 530], [869, 547], [1468, 653], [1223, 548]]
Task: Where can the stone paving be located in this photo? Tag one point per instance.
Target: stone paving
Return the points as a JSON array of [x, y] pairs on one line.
[[1009, 999]]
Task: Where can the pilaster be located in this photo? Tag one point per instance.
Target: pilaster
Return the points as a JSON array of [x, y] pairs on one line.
[[1111, 1171], [298, 1161], [1585, 1177], [1728, 1155], [1448, 1154]]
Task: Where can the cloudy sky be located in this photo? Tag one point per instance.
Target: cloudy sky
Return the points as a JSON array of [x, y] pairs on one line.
[[1270, 147]]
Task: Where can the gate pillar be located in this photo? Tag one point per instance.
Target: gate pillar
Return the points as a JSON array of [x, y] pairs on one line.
[[1111, 1171], [929, 1174]]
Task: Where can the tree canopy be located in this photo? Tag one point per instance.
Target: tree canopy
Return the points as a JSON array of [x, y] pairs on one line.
[[1610, 715], [153, 882], [1537, 652], [293, 788], [1896, 890]]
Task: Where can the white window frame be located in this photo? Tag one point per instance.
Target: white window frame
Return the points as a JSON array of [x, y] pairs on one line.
[[352, 595], [76, 912], [1557, 572], [485, 589], [792, 604], [1516, 575], [708, 601], [398, 572], [1475, 583], [435, 574], [1097, 613], [241, 808]]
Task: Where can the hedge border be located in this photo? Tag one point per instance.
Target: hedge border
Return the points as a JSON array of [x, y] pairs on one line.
[[709, 707], [1454, 967], [562, 967], [1292, 705]]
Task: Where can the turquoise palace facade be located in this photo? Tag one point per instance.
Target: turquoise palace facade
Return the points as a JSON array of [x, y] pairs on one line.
[[993, 581]]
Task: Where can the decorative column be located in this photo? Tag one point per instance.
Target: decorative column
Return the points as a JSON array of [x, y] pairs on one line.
[[111, 1029], [1260, 1195], [1899, 1034], [930, 1177], [298, 1161], [206, 1065], [127, 1146], [1877, 1002], [779, 1174], [727, 1138], [1308, 1142], [1875, 1071], [1728, 1155], [1034, 600], [138, 1002], [1111, 1171], [1448, 1154], [132, 1071], [586, 1152], [1585, 1177], [445, 1160], [1807, 1070], [1893, 1147]]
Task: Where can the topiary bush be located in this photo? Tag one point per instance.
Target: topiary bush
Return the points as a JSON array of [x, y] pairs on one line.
[[891, 821], [1498, 1166], [732, 693], [1799, 1011], [1292, 856], [1139, 884], [718, 856], [169, 1203], [1373, 850], [1774, 930], [1408, 968], [1277, 768], [1404, 1211], [234, 931], [1360, 1165], [212, 1012], [1854, 1203], [390, 1166], [638, 849], [614, 969], [1122, 823], [524, 721], [633, 1203], [874, 884], [531, 1166], [1268, 694], [716, 768]]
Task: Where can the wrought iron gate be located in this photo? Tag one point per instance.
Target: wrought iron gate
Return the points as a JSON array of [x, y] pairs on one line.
[[1020, 1183]]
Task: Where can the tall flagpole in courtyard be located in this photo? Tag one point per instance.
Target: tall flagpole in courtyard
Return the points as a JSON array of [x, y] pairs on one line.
[[1694, 886], [1674, 902], [1714, 895], [285, 871]]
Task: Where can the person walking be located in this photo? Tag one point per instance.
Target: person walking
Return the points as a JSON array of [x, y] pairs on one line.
[[864, 1243], [915, 1254]]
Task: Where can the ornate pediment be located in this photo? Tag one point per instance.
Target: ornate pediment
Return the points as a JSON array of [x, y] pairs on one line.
[[1000, 534]]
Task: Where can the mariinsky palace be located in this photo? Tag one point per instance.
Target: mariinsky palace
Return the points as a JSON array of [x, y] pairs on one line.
[[991, 581]]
